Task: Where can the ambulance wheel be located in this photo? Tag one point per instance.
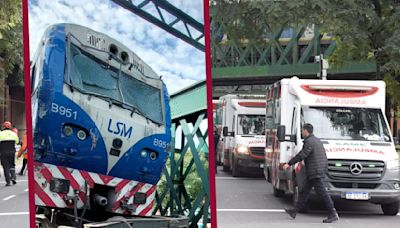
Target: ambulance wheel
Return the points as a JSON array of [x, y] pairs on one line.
[[235, 168], [278, 192], [218, 158], [225, 168], [269, 175], [390, 208]]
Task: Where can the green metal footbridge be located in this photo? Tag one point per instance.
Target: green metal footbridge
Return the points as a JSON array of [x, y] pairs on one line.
[[248, 65]]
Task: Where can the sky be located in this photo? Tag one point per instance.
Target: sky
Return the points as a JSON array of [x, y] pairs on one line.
[[179, 63]]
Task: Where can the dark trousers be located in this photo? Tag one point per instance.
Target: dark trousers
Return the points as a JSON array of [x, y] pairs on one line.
[[8, 163], [319, 188], [24, 162]]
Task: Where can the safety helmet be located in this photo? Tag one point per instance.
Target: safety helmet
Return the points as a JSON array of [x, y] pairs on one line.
[[7, 125]]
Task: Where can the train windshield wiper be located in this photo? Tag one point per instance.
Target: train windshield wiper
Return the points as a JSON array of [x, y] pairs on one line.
[[123, 105]]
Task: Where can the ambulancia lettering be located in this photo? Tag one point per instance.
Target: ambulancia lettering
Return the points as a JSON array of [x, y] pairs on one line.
[[346, 101], [356, 149], [119, 128], [350, 144]]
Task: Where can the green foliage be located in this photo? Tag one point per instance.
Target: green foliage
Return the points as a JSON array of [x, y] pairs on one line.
[[363, 29], [192, 183], [11, 41]]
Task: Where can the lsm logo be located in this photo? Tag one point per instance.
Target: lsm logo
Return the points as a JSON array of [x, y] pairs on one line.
[[119, 128]]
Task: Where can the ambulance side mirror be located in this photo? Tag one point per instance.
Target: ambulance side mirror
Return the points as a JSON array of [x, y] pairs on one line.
[[281, 132], [225, 131], [283, 137]]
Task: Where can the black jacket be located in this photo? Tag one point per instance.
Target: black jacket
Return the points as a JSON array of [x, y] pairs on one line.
[[314, 156]]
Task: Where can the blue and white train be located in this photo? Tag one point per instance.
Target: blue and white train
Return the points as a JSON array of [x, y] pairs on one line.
[[101, 124]]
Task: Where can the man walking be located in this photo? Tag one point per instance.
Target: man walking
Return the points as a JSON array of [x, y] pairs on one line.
[[23, 151], [316, 164], [8, 139]]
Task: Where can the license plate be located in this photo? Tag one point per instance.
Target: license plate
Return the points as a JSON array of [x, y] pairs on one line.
[[262, 166], [357, 195]]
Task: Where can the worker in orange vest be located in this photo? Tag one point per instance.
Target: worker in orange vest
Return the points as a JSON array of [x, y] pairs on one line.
[[23, 151]]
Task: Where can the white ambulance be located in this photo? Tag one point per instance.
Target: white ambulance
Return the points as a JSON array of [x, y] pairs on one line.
[[243, 138], [348, 117]]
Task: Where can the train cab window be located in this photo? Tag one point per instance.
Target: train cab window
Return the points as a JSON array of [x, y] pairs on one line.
[[33, 78], [133, 91], [92, 76]]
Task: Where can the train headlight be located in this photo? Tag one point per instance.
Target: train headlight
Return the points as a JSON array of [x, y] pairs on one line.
[[59, 185], [143, 154], [117, 143], [81, 134], [68, 131], [140, 198], [153, 155]]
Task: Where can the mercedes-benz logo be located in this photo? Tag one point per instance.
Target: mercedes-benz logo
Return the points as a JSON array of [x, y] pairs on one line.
[[356, 168]]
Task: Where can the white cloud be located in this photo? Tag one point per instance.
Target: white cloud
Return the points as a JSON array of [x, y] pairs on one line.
[[180, 63]]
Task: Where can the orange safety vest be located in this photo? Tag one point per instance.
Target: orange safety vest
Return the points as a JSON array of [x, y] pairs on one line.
[[23, 150]]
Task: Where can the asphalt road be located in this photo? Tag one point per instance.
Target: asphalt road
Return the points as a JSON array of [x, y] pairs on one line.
[[14, 208], [249, 202]]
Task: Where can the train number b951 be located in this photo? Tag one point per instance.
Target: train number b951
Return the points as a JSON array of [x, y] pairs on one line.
[[63, 111]]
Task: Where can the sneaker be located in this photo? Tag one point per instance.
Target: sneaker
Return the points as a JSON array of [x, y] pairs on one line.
[[291, 212], [14, 182], [8, 184], [21, 174], [333, 216]]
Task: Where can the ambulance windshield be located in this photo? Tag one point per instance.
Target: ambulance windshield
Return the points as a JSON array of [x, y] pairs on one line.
[[339, 123], [251, 125]]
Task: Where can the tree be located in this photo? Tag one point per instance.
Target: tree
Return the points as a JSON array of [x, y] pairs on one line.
[[11, 50], [362, 29]]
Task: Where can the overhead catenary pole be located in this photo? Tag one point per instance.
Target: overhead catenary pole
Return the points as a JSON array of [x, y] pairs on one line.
[[323, 66]]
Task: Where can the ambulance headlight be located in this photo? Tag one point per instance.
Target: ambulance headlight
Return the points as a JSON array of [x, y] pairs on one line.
[[393, 164], [268, 150], [242, 149]]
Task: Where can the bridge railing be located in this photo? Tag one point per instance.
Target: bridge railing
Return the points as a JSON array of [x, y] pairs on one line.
[[184, 187]]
